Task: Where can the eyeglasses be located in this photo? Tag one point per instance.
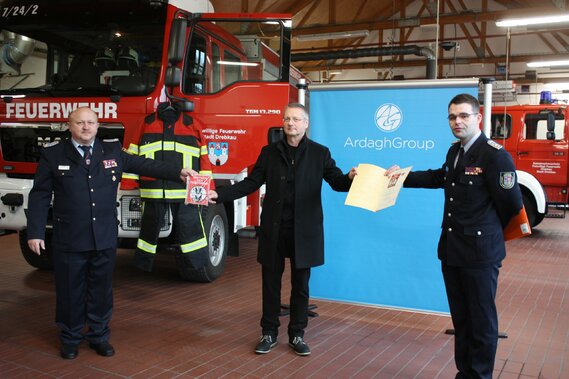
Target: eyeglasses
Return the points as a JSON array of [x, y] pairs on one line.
[[83, 123], [293, 119], [462, 115]]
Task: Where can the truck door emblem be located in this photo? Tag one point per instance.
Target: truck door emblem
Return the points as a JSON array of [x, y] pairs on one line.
[[218, 152]]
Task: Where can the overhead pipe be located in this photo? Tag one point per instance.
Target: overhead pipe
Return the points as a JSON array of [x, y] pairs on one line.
[[16, 49], [374, 52]]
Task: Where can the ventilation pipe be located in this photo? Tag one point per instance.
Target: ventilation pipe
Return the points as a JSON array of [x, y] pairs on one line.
[[373, 52], [14, 51]]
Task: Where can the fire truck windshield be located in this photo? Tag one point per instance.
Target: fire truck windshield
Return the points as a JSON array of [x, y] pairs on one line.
[[68, 48]]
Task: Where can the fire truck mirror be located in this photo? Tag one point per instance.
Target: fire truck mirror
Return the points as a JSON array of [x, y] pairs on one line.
[[275, 134], [551, 126], [177, 39], [185, 106], [173, 77]]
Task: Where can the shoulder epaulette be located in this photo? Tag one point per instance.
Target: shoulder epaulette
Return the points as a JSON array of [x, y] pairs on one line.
[[111, 140], [50, 144], [495, 145]]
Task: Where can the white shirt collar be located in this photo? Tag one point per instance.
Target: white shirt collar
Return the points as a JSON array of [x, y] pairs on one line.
[[471, 142]]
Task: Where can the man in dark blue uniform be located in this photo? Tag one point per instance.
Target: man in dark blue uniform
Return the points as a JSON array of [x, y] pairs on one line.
[[83, 174], [481, 196]]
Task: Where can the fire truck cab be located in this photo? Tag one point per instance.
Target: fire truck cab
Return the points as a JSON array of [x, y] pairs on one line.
[[537, 138], [230, 72]]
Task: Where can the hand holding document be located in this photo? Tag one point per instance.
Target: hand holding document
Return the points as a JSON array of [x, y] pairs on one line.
[[373, 190]]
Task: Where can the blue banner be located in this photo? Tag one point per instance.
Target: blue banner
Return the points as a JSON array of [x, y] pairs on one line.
[[388, 258]]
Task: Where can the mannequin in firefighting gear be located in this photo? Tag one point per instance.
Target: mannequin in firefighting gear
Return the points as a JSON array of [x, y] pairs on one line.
[[170, 136]]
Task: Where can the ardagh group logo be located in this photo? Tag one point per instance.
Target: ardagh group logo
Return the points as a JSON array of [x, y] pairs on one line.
[[388, 117]]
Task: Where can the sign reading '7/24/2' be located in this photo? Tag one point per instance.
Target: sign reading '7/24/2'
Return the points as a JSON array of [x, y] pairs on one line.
[[19, 10]]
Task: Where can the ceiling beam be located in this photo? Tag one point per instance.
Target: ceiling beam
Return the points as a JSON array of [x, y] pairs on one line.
[[422, 62], [467, 17]]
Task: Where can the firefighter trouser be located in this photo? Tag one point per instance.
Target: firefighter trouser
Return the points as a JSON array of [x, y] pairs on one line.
[[187, 226]]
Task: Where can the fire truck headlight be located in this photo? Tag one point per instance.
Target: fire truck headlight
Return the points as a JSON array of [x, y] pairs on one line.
[[13, 199]]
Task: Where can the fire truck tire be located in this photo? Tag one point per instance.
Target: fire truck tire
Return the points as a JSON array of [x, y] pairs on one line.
[[534, 217], [43, 261], [217, 233]]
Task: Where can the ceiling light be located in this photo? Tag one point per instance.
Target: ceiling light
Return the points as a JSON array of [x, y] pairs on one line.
[[549, 63], [533, 20], [232, 63], [335, 35]]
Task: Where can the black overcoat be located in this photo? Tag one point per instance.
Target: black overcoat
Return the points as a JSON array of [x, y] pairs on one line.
[[313, 163], [84, 196]]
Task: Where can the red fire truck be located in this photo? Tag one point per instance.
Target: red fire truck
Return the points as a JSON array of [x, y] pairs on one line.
[[230, 72], [537, 138]]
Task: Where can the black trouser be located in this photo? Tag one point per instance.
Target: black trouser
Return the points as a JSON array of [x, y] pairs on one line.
[[84, 293], [272, 291], [471, 295]]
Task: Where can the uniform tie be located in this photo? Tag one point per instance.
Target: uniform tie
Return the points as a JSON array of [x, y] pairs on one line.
[[460, 155], [86, 154]]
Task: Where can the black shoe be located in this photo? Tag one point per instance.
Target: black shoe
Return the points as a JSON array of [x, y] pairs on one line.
[[266, 343], [103, 348], [299, 346], [69, 351]]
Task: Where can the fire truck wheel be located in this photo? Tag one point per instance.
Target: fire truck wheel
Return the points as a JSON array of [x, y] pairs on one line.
[[217, 233], [43, 261]]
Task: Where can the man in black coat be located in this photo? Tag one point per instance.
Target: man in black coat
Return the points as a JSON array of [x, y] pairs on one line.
[[481, 196], [291, 222], [83, 174]]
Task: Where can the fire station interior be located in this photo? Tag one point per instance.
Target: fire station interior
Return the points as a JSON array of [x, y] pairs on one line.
[[165, 326]]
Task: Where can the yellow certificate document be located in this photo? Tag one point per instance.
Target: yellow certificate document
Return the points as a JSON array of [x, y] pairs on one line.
[[372, 190]]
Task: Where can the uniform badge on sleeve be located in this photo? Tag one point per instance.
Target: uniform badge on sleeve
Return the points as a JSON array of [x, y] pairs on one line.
[[507, 180]]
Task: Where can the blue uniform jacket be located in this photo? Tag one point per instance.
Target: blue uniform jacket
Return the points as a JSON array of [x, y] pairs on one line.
[[84, 197], [481, 196]]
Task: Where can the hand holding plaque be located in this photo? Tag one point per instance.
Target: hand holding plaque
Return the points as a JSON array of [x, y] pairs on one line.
[[197, 189]]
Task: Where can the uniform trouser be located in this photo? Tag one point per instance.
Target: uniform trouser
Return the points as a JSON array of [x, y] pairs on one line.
[[299, 295], [471, 295], [84, 293], [187, 228]]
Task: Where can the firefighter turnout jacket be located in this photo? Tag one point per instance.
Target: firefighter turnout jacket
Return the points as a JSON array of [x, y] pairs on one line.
[[171, 136]]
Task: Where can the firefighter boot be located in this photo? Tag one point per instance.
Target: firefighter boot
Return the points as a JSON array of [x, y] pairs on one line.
[[196, 259], [143, 261]]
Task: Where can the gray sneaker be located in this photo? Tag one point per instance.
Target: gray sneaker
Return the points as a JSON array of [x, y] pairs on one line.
[[266, 343], [299, 346]]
